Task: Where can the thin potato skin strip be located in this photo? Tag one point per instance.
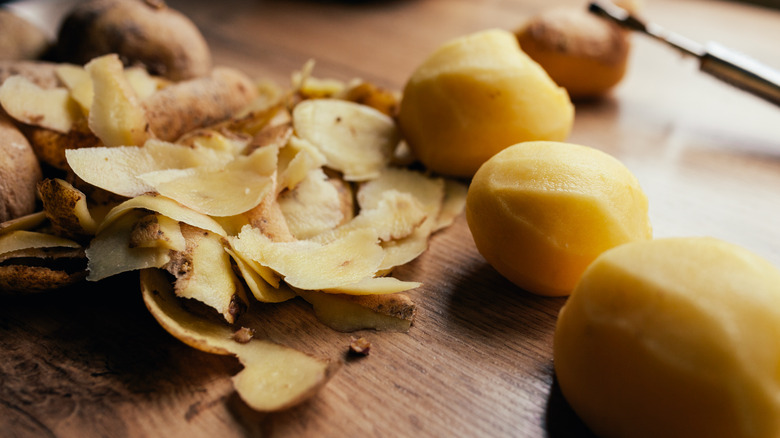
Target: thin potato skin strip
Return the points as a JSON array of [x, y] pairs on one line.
[[22, 239], [375, 286], [166, 207], [110, 254], [314, 266]]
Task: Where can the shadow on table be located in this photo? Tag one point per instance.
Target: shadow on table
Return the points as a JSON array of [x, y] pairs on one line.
[[560, 420]]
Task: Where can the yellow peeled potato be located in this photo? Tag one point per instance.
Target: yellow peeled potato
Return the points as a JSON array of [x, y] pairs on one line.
[[541, 212], [475, 96], [676, 337]]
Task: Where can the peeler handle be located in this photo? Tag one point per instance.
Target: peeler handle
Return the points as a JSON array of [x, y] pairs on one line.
[[741, 71]]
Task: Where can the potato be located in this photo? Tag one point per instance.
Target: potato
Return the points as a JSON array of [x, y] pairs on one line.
[[143, 32], [20, 39], [51, 146], [675, 337], [19, 173], [475, 96], [182, 107], [581, 52], [541, 212]]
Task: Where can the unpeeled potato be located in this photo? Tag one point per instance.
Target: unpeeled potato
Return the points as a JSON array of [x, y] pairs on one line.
[[19, 173], [585, 54], [20, 39], [143, 32]]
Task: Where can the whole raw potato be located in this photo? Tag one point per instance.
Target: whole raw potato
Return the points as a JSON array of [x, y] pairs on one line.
[[19, 172], [143, 32], [20, 39], [475, 96], [674, 337], [541, 212], [583, 53]]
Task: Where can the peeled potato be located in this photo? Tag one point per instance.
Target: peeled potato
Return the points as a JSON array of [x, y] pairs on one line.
[[541, 212], [674, 337], [475, 96]]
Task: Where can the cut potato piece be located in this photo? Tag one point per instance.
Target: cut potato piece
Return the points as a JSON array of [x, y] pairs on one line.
[[166, 207], [203, 272], [356, 140], [348, 313], [157, 231], [50, 108], [66, 208], [312, 207], [274, 377], [238, 187], [117, 169], [116, 115], [310, 265], [109, 253]]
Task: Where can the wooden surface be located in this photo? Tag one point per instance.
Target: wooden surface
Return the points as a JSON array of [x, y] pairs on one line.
[[91, 361]]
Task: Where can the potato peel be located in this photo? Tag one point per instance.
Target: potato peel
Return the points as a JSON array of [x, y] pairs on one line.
[[50, 108], [311, 265], [355, 139], [274, 377]]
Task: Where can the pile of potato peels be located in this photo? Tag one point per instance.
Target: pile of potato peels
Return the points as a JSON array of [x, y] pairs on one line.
[[222, 190]]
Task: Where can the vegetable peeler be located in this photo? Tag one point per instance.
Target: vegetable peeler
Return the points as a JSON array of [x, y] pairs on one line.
[[721, 62]]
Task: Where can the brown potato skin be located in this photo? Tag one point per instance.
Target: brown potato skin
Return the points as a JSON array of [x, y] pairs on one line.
[[585, 54], [50, 146], [184, 106], [40, 73], [20, 39], [143, 32], [19, 172]]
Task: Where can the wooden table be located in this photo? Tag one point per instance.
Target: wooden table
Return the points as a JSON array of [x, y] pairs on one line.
[[91, 361]]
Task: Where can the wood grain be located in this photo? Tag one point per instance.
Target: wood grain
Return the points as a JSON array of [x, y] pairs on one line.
[[90, 361]]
